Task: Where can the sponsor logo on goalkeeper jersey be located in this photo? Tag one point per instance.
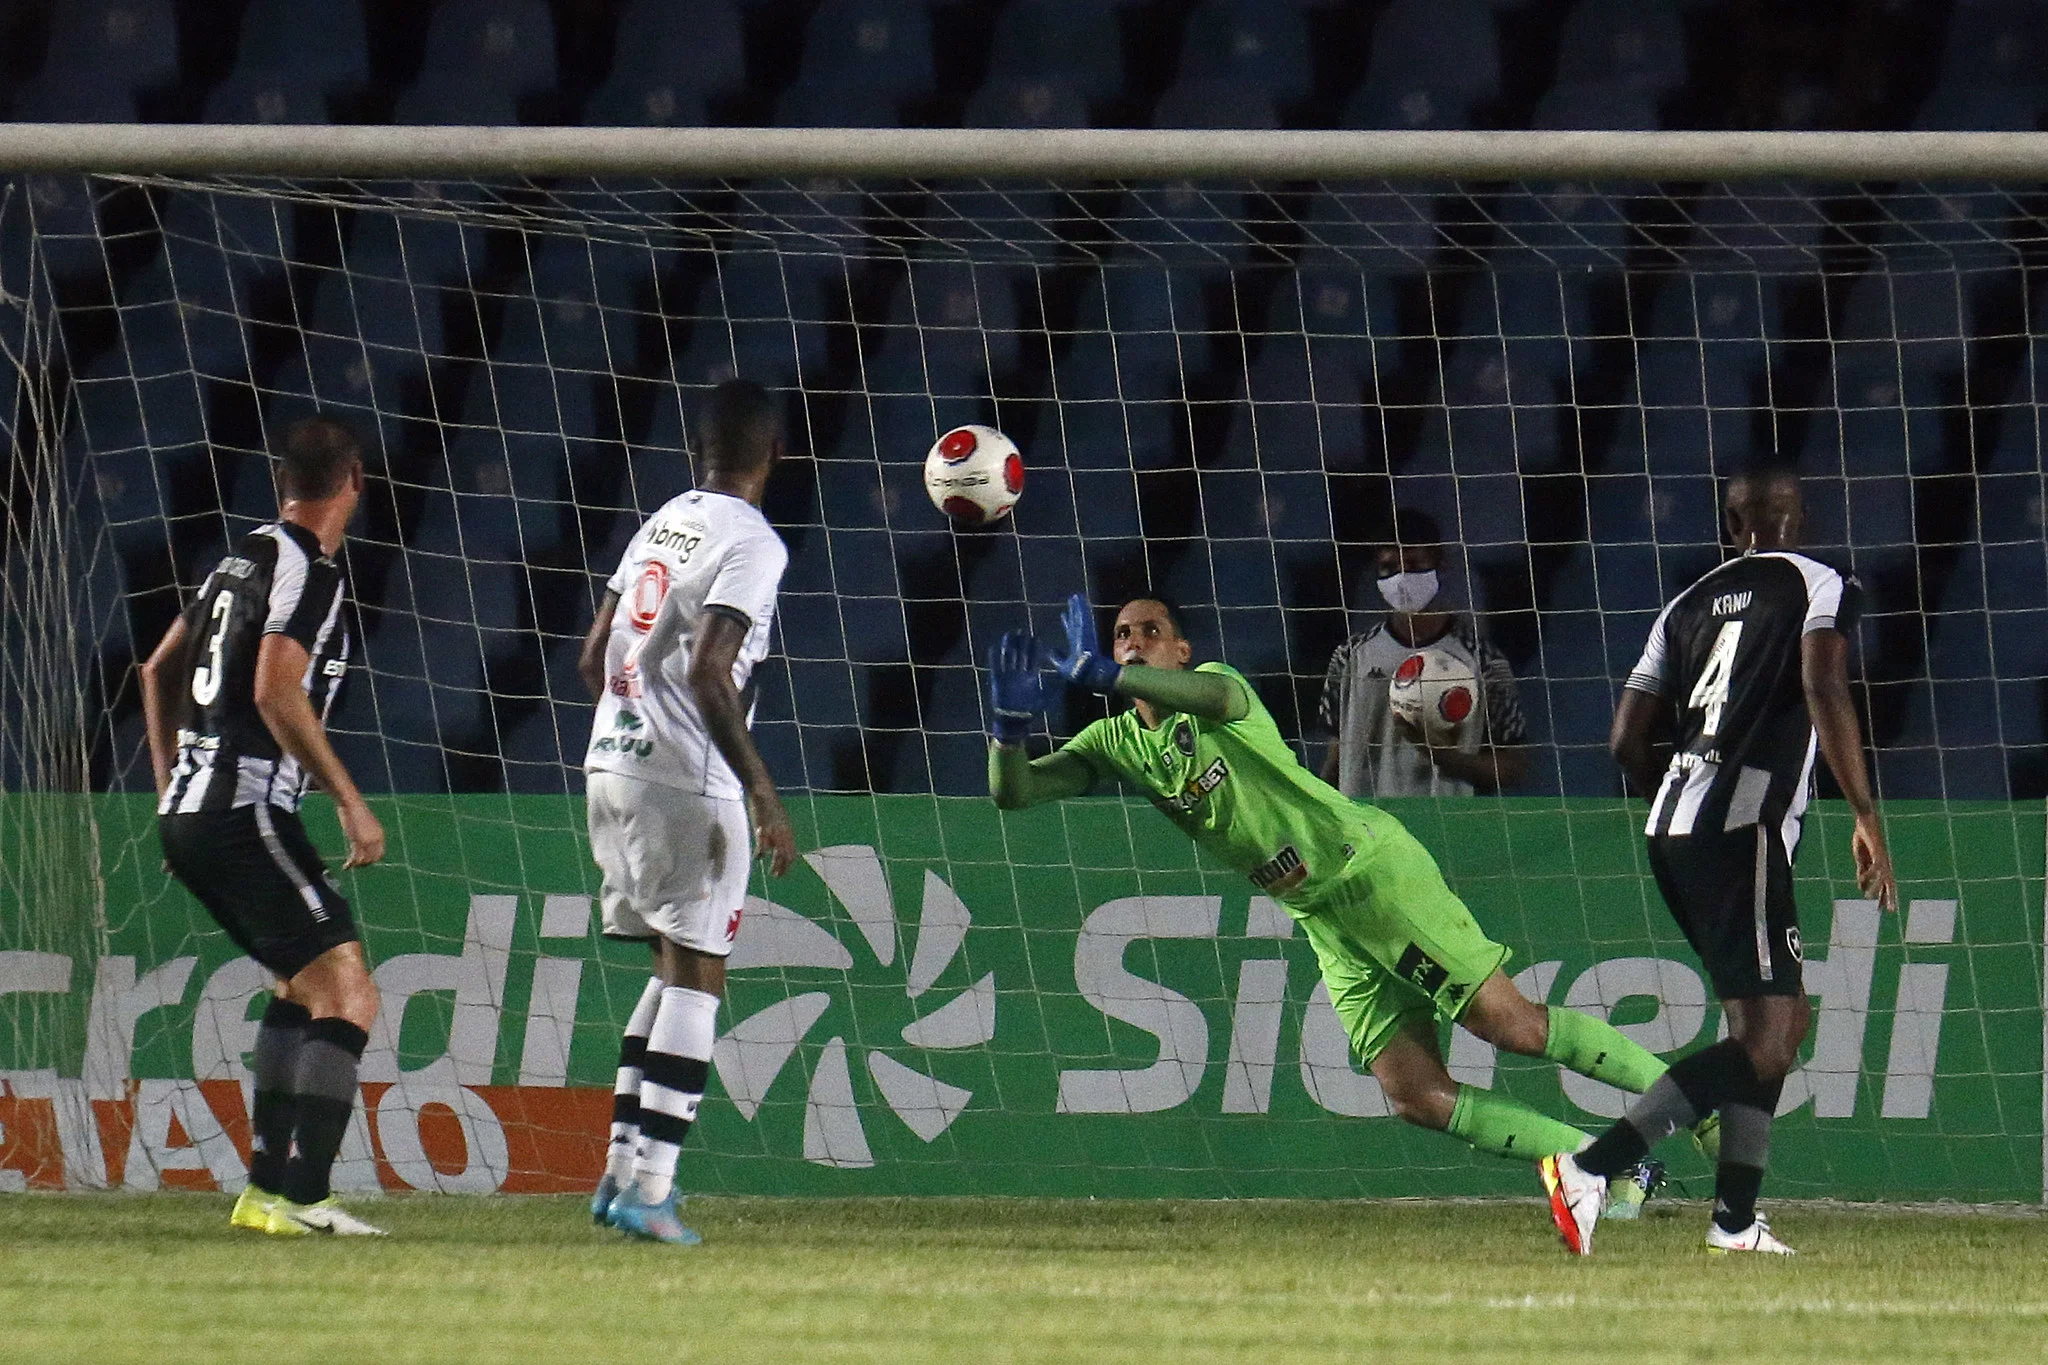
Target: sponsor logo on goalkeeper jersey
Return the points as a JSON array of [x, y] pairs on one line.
[[1281, 873], [1198, 787]]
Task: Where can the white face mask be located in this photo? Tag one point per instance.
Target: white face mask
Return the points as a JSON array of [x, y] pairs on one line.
[[1409, 591]]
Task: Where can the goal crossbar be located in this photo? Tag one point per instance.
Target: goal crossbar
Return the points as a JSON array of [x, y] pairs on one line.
[[1093, 153]]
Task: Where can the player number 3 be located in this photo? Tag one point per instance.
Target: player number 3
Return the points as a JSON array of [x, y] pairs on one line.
[[1711, 691], [206, 677]]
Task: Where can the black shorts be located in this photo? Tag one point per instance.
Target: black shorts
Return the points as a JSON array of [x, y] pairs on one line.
[[261, 879], [1732, 895]]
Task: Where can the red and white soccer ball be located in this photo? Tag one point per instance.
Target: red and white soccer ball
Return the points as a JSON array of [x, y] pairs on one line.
[[1436, 691], [974, 475]]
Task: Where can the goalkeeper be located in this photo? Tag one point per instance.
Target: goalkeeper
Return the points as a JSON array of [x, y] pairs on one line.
[[1397, 949]]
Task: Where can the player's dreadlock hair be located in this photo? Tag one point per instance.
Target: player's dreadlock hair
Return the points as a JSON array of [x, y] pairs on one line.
[[314, 458]]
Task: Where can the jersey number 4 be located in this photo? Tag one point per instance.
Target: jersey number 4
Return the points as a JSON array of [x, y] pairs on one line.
[[206, 677], [1711, 691]]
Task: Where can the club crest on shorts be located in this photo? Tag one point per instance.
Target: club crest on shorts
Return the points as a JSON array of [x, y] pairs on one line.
[[1793, 944]]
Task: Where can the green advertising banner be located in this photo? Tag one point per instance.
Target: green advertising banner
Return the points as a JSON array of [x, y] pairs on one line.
[[945, 999]]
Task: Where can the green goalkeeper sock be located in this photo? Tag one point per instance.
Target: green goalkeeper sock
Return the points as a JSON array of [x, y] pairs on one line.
[[1592, 1047], [1504, 1127]]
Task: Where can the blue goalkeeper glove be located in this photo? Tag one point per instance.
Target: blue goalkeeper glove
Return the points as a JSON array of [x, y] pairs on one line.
[[1084, 664], [1016, 692]]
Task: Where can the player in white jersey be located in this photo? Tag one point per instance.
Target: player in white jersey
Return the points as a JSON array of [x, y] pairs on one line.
[[674, 781]]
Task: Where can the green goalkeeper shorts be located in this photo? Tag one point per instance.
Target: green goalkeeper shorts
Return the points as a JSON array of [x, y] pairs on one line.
[[1395, 943]]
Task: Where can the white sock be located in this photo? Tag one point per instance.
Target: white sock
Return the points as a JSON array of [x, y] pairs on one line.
[[618, 1162], [673, 1073]]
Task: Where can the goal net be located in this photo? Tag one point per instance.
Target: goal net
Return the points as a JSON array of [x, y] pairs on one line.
[[1225, 390]]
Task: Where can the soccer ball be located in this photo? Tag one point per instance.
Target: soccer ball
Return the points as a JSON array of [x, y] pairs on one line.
[[974, 475], [1435, 691]]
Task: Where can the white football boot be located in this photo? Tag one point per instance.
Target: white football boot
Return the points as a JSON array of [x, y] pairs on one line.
[[327, 1218], [1576, 1198], [1756, 1237]]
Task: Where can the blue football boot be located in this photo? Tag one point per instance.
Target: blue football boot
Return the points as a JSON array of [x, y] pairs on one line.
[[601, 1201], [635, 1217]]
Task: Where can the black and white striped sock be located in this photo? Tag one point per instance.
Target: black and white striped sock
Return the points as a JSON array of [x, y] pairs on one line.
[[674, 1070], [626, 1087]]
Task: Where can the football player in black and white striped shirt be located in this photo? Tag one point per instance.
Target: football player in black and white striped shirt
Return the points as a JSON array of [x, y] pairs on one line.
[[1746, 672], [236, 699]]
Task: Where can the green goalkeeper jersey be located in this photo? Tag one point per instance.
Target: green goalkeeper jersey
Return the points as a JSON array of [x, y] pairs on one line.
[[1238, 791]]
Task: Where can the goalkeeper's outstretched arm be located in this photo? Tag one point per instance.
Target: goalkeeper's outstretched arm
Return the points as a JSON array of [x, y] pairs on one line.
[[1211, 696], [1015, 781]]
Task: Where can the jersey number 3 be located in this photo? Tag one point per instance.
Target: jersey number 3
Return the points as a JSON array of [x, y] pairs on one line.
[[206, 677], [1711, 691]]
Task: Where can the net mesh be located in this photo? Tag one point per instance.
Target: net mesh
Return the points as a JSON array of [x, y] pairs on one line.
[[1224, 392]]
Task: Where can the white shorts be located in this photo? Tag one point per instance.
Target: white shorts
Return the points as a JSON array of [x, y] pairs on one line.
[[675, 864]]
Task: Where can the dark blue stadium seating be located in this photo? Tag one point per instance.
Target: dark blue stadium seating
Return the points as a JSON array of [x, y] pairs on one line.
[[1261, 45], [1215, 383], [129, 45], [322, 47]]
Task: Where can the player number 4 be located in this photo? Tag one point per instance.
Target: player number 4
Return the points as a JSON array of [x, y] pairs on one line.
[[1711, 691], [206, 677]]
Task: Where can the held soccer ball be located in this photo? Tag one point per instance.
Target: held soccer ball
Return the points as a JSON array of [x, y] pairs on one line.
[[974, 475], [1435, 691]]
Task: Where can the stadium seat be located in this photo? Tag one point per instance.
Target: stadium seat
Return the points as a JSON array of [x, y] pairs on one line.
[[141, 420], [1984, 108], [507, 44], [125, 45], [697, 44], [1993, 43], [874, 47], [456, 100], [1577, 105], [265, 97], [1915, 319], [1077, 41], [1775, 228], [1447, 45], [1215, 102], [755, 317], [1025, 102], [1541, 316], [1199, 228], [637, 100], [1410, 105], [1259, 44], [1717, 305], [1381, 228], [193, 306], [321, 48], [1301, 408], [1498, 417], [1635, 44], [66, 97]]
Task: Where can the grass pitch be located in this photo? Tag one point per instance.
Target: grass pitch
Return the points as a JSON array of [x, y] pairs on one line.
[[117, 1278]]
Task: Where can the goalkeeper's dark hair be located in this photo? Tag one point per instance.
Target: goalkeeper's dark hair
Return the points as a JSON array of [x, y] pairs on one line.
[[315, 457], [740, 428]]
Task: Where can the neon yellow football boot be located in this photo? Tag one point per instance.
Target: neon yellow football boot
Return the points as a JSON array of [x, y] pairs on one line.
[[252, 1209]]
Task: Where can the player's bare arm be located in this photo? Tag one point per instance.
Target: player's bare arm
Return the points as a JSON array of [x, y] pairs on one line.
[[590, 660], [716, 642], [1824, 672], [1635, 740], [163, 672], [281, 700]]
